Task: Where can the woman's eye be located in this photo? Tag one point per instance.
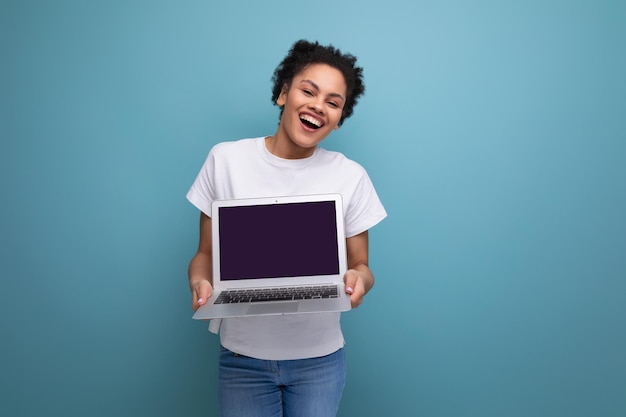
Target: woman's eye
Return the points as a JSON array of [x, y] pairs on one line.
[[333, 104], [307, 92]]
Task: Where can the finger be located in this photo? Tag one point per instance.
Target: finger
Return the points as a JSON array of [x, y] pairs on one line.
[[200, 295], [350, 281], [195, 301], [355, 300], [204, 294]]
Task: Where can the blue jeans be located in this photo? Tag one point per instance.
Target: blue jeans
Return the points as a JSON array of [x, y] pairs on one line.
[[251, 387]]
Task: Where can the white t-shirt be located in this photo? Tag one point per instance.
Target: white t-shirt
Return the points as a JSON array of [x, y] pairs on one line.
[[245, 169]]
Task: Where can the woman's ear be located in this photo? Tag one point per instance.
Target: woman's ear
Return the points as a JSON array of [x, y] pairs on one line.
[[282, 98], [338, 123]]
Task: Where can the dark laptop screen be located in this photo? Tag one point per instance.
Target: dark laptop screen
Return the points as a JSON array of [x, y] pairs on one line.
[[278, 240]]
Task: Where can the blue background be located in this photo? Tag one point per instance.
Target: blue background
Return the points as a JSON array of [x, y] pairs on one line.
[[495, 132]]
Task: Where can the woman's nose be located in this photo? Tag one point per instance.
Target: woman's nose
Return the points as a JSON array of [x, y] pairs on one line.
[[317, 105]]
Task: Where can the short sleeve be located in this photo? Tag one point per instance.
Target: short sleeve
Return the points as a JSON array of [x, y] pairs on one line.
[[202, 191], [365, 210]]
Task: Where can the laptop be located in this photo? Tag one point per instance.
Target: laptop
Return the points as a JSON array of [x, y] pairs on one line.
[[277, 255]]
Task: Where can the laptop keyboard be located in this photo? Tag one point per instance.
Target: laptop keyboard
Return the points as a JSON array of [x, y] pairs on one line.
[[277, 294]]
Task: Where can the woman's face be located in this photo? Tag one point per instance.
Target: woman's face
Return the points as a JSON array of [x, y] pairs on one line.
[[312, 108]]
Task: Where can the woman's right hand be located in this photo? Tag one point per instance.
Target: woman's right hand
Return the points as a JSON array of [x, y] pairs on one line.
[[200, 293]]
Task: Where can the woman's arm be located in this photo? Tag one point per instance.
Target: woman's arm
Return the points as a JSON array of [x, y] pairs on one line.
[[201, 266], [359, 278]]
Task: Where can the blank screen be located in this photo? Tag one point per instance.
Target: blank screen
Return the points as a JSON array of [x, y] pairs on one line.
[[278, 240]]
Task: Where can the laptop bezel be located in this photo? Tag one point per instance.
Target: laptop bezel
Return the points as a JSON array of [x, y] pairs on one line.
[[219, 285]]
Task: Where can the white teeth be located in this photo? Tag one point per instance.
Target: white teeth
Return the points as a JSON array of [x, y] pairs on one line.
[[311, 120]]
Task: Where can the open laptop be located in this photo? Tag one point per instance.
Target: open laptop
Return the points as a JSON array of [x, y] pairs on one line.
[[278, 255]]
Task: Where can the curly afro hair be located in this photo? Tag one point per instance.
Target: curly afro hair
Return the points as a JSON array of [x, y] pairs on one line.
[[304, 53]]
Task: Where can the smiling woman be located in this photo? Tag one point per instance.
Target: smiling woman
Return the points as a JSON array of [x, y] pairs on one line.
[[494, 131], [311, 109], [316, 88], [304, 54]]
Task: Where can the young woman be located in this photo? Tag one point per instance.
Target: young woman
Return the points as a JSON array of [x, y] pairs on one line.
[[290, 365]]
